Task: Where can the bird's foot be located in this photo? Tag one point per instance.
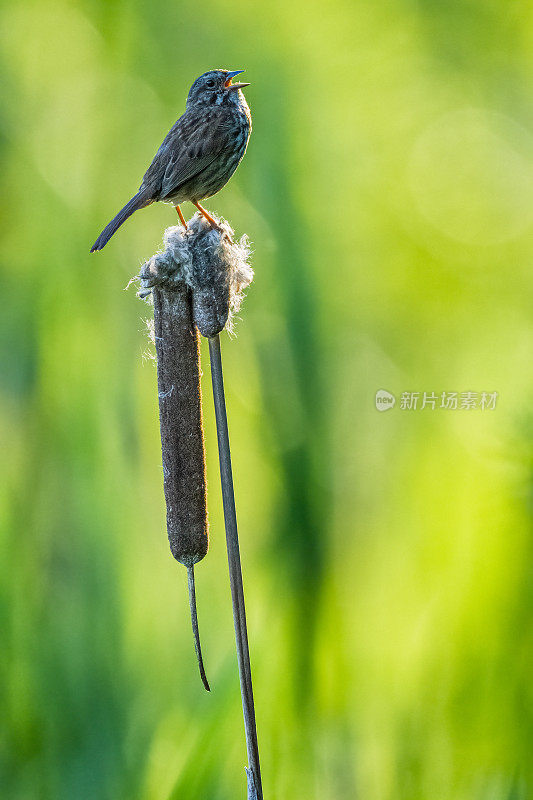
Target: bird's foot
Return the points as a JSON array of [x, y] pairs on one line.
[[214, 224], [224, 234]]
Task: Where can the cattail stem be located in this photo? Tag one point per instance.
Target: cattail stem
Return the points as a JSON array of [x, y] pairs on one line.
[[235, 573], [194, 622]]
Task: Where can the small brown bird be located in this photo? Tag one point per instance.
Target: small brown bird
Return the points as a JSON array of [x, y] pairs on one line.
[[199, 154]]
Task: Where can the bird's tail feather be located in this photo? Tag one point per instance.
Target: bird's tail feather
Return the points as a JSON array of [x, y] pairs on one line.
[[138, 201]]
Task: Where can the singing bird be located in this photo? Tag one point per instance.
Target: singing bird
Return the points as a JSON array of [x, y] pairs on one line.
[[200, 152]]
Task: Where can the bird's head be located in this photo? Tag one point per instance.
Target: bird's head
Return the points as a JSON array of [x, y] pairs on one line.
[[216, 88]]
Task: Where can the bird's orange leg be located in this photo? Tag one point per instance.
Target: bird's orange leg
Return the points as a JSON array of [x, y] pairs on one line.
[[182, 218], [211, 221]]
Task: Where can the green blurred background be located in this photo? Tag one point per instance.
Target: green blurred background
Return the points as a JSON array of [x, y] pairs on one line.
[[388, 191]]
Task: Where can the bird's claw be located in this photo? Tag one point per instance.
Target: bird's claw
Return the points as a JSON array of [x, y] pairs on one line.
[[219, 229]]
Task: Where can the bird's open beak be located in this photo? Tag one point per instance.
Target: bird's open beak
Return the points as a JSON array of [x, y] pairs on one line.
[[229, 84]]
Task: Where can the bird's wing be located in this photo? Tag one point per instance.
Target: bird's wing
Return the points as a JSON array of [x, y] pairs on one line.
[[192, 143]]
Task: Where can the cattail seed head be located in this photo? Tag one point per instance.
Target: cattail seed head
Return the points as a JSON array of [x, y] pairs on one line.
[[197, 285], [216, 270]]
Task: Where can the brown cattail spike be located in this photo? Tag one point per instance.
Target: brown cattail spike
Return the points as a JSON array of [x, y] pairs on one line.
[[182, 437]]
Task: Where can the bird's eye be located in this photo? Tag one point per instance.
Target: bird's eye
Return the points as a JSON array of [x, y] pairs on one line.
[[210, 83]]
